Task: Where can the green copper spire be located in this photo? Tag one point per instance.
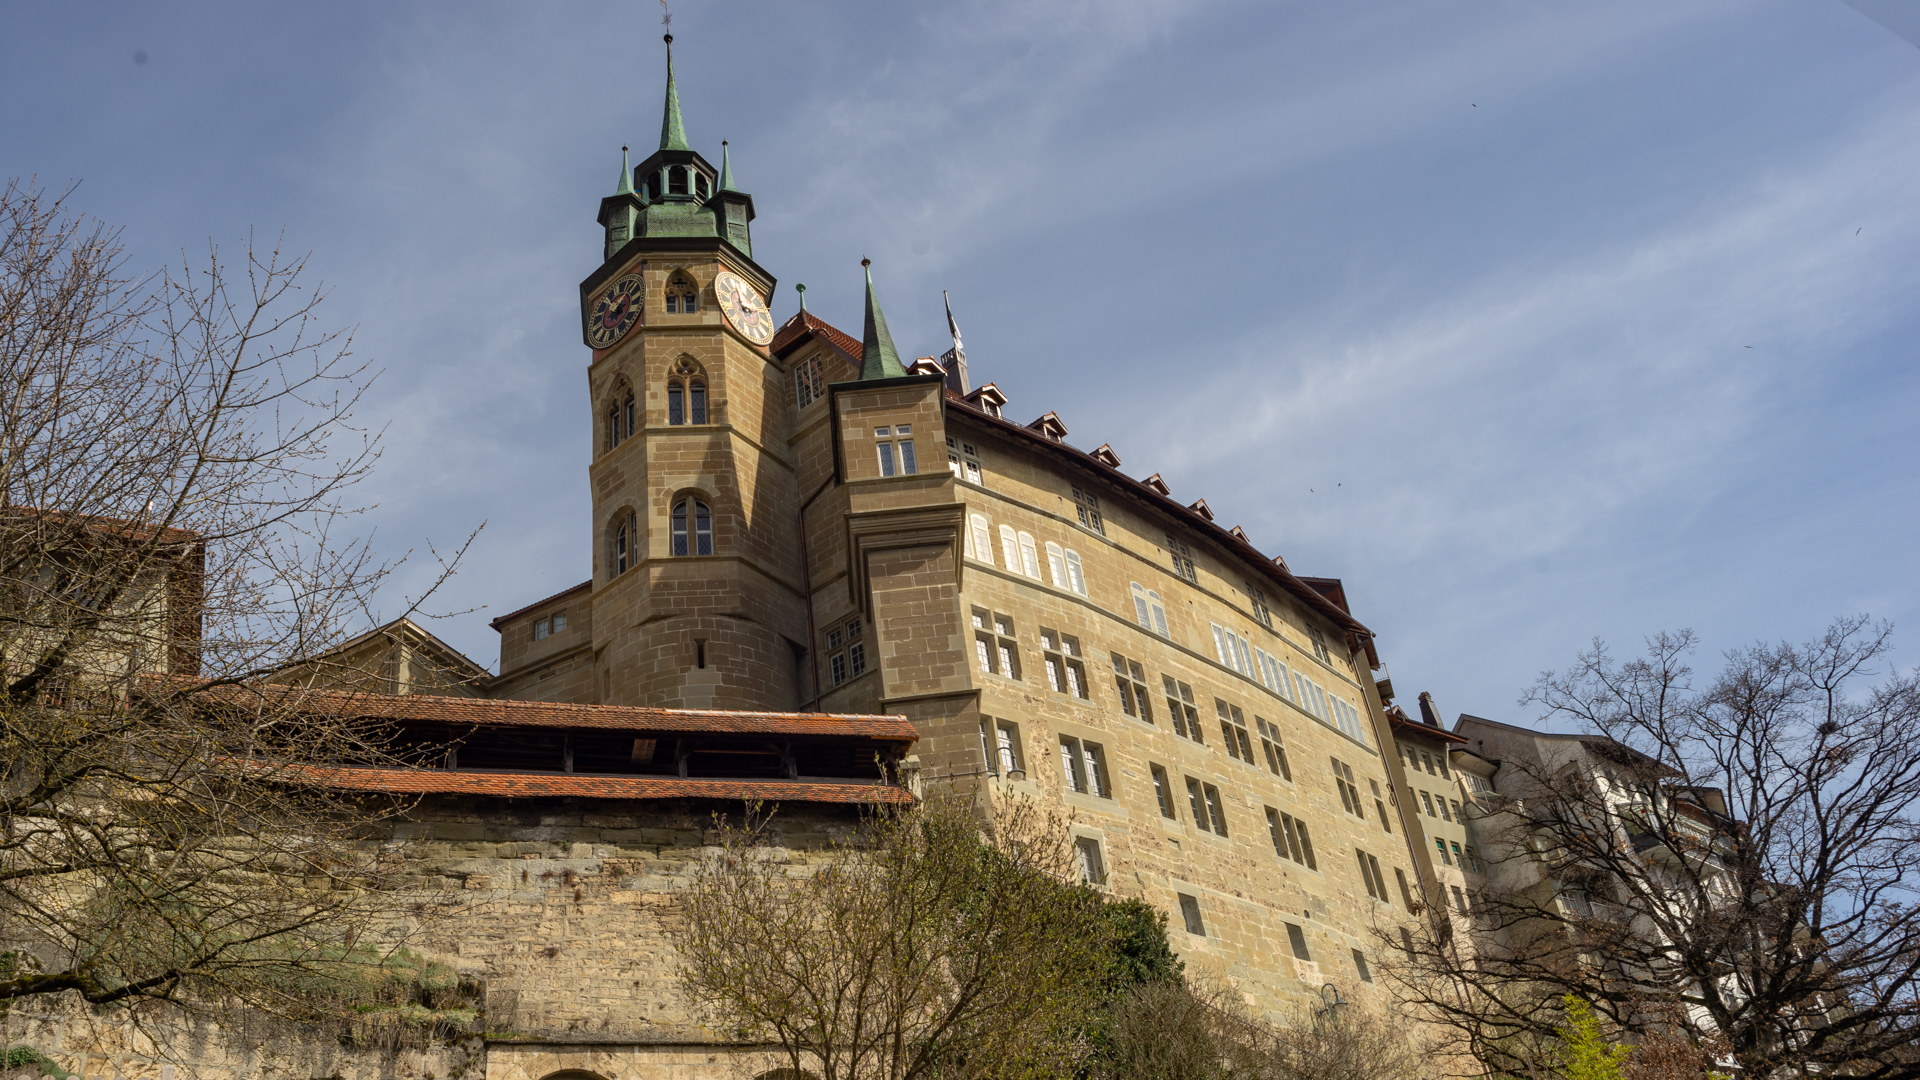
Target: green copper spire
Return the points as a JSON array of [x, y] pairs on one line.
[[878, 358], [673, 133], [625, 187], [726, 169]]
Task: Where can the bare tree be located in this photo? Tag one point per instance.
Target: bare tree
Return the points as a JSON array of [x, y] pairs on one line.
[[176, 452], [923, 949], [1731, 865]]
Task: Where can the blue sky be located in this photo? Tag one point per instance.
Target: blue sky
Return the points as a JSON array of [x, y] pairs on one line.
[[1534, 322]]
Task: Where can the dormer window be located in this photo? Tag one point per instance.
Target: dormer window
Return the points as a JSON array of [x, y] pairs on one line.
[[682, 297], [677, 180]]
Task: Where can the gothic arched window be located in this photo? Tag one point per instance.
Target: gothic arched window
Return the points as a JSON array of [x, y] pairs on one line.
[[686, 394], [692, 528], [620, 415], [623, 545], [682, 297]]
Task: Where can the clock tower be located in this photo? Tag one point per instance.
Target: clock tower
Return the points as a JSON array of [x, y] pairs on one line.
[[696, 595]]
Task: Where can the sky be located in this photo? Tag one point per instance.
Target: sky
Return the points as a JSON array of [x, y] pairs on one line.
[[1535, 323]]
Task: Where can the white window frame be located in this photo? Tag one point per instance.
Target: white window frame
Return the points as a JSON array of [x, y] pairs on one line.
[[980, 538], [1148, 611], [809, 385], [1076, 574], [1010, 547], [1029, 556]]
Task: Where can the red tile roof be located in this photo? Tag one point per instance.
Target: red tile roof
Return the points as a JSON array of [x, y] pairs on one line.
[[804, 323], [553, 785], [587, 584], [500, 713]]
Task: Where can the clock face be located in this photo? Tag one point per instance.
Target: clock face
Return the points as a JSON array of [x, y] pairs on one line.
[[614, 312], [744, 309]]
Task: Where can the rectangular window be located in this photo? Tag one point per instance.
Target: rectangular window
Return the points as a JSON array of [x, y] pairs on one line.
[[1442, 803], [1275, 750], [886, 458], [1066, 669], [1007, 747], [541, 629], [857, 658], [1426, 801], [963, 460], [559, 622], [1441, 845], [808, 386], [1349, 791], [1320, 645], [1190, 911], [1234, 651], [1290, 838], [1473, 860], [1370, 874], [1380, 805], [1458, 817], [836, 669], [1216, 809], [1233, 728], [998, 651], [1130, 683], [1197, 803], [1459, 857], [908, 465], [1258, 602], [1186, 719], [1163, 791], [1093, 868], [1088, 506], [1297, 939], [1182, 557], [1084, 767]]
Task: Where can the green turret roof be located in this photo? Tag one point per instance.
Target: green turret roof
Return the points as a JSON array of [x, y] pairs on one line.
[[673, 132], [878, 358], [625, 186], [726, 169]]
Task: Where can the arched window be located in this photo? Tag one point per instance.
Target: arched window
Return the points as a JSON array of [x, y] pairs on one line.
[[700, 184], [620, 415], [623, 545], [653, 188], [682, 297], [981, 539], [1076, 576], [692, 528], [1010, 547], [677, 180], [1148, 610], [1057, 564], [686, 394], [1029, 556]]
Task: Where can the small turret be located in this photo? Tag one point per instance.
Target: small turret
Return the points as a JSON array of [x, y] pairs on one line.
[[620, 213], [733, 207], [878, 358]]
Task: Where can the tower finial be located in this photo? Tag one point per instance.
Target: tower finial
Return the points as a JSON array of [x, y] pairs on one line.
[[801, 288], [625, 186], [673, 132], [878, 358], [726, 169]]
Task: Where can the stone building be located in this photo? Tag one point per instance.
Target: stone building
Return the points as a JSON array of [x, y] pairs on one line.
[[808, 555], [790, 518]]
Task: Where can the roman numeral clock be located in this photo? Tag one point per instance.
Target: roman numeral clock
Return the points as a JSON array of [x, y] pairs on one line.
[[611, 314]]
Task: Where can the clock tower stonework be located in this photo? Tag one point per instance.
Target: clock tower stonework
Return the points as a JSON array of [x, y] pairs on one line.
[[696, 597]]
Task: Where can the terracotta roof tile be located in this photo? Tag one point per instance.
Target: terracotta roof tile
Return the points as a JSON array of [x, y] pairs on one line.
[[804, 323], [504, 713], [553, 785]]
